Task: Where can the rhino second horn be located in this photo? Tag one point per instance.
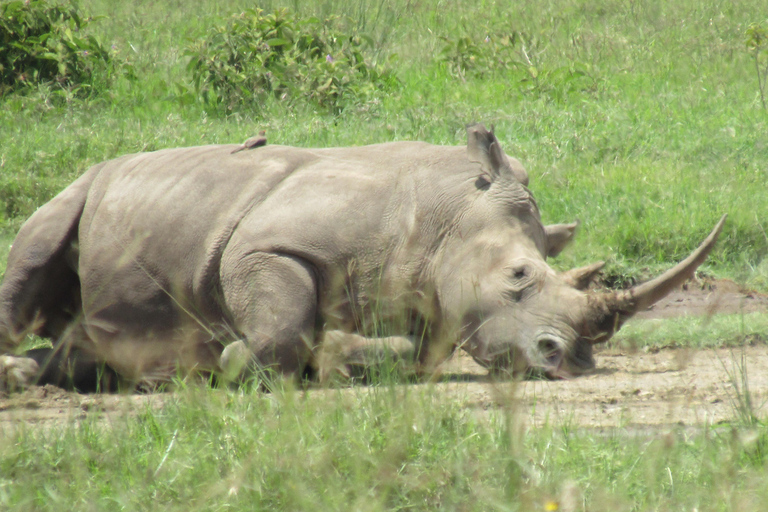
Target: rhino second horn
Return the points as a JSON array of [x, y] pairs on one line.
[[608, 311]]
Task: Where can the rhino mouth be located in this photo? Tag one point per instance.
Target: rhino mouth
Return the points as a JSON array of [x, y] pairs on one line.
[[580, 358], [551, 359], [577, 361]]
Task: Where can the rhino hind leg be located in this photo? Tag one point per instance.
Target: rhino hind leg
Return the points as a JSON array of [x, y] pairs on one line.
[[73, 369], [38, 297], [40, 292], [72, 363], [273, 302], [17, 373]]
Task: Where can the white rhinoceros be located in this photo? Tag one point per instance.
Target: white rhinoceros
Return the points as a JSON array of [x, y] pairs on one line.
[[204, 259]]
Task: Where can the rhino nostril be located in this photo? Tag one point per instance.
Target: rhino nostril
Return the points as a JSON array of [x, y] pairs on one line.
[[551, 350]]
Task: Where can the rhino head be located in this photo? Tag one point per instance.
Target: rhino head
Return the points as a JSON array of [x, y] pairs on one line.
[[512, 310]]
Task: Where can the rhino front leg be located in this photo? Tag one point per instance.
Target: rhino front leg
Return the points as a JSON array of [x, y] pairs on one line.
[[351, 355], [273, 302]]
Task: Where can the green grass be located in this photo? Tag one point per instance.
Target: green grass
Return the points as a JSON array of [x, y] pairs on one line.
[[667, 135], [404, 448], [694, 332]]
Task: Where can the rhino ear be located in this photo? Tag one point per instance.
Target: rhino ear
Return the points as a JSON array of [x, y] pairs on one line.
[[580, 278], [483, 147], [479, 142], [558, 236]]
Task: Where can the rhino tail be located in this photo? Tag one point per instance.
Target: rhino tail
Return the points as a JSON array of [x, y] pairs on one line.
[[40, 292]]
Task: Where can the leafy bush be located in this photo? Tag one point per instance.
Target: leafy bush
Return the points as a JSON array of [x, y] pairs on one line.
[[42, 42], [258, 54]]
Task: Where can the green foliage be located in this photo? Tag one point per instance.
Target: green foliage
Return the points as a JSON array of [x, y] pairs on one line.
[[757, 45], [513, 55], [258, 55], [648, 148], [44, 42], [462, 54]]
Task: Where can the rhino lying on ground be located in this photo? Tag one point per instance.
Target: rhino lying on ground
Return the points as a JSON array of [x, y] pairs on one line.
[[198, 259]]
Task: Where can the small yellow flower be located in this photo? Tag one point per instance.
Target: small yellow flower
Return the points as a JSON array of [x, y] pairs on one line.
[[551, 506]]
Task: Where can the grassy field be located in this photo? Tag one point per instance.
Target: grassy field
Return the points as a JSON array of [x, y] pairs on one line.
[[641, 119], [384, 448], [662, 134]]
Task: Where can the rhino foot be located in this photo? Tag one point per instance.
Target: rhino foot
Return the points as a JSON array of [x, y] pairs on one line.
[[17, 373], [234, 361]]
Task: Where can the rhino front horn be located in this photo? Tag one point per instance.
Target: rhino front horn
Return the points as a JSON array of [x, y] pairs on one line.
[[610, 310]]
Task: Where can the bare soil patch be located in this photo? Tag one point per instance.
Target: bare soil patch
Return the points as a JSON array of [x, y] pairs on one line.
[[49, 407], [668, 387]]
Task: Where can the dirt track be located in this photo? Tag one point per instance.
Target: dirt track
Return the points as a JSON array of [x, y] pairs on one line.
[[670, 387], [677, 386]]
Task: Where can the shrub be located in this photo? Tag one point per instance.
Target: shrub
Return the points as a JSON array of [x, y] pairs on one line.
[[256, 55], [43, 42]]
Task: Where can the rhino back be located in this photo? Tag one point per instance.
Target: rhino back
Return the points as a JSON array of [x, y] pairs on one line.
[[155, 225]]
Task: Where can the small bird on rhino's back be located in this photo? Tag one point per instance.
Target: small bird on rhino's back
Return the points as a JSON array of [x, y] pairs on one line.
[[254, 142]]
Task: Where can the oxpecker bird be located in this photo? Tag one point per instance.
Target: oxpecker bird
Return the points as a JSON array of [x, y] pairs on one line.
[[254, 142]]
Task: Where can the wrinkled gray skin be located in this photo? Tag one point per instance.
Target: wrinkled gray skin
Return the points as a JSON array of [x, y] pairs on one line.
[[154, 262]]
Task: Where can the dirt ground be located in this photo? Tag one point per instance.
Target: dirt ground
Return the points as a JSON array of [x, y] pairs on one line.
[[634, 390], [669, 387]]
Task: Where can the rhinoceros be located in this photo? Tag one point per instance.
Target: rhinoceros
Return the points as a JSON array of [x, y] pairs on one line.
[[211, 260]]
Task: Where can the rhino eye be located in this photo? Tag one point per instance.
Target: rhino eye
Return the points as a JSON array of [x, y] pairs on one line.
[[520, 279]]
